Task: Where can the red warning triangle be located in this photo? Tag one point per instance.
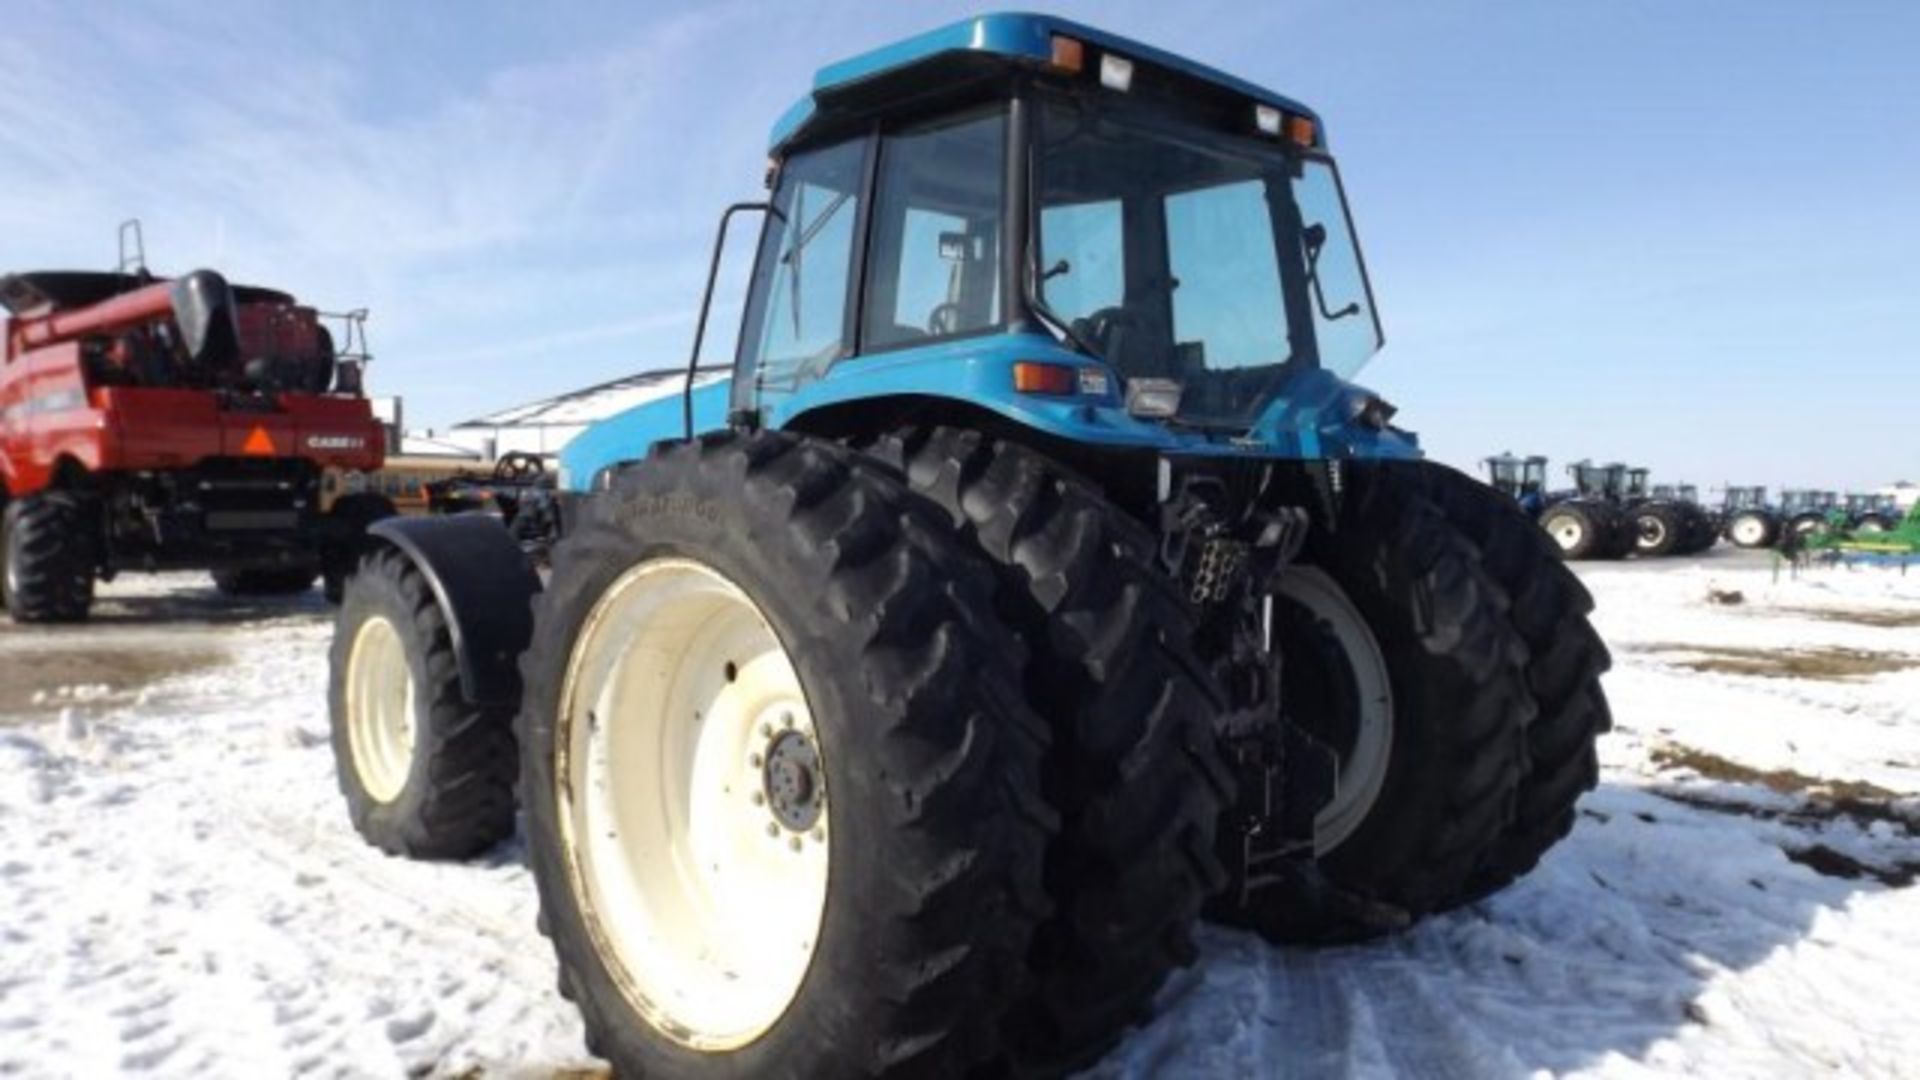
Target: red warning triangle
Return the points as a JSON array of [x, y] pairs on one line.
[[259, 444]]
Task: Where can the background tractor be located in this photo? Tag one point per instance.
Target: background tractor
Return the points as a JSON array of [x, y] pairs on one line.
[[1750, 521], [1582, 524], [1870, 513], [1588, 522], [162, 424], [1699, 525], [1803, 511], [1660, 526], [897, 705]]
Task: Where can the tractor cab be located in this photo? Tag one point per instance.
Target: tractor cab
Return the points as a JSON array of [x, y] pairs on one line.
[[1533, 475], [1078, 233], [1636, 483], [1745, 498], [1687, 493], [1504, 474], [1592, 481]]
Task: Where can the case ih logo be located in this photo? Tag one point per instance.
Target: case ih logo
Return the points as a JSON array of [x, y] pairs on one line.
[[335, 442]]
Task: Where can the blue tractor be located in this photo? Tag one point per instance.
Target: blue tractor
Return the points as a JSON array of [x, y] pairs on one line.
[[897, 701]]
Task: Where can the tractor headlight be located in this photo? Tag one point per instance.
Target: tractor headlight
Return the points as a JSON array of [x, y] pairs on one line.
[[603, 480], [1153, 399], [1368, 409]]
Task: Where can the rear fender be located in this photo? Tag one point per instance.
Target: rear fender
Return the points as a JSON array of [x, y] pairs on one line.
[[484, 587]]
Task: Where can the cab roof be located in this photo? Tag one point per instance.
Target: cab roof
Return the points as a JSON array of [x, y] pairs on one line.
[[1019, 38]]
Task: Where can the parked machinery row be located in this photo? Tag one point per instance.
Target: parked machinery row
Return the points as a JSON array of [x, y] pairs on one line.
[[1610, 512], [1751, 521]]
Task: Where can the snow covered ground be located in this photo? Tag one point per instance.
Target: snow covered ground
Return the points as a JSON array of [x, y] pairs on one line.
[[181, 894]]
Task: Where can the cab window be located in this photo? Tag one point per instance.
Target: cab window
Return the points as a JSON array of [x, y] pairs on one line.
[[796, 318], [934, 257]]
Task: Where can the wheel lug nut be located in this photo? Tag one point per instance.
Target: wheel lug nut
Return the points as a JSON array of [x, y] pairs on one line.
[[766, 731], [753, 760], [794, 843], [759, 799], [773, 830], [787, 719], [819, 836]]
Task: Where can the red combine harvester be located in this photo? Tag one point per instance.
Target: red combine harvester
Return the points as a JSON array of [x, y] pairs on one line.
[[168, 424]]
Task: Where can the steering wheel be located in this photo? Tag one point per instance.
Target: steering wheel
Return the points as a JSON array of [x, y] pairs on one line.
[[944, 319], [519, 466]]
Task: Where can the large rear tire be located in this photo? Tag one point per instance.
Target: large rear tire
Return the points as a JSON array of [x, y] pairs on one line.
[[47, 576], [1134, 769], [1550, 609], [425, 773], [782, 786], [1399, 590]]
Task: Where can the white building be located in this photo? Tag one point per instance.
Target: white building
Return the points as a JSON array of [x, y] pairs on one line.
[[544, 427]]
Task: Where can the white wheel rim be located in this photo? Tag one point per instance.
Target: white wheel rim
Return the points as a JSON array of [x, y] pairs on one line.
[[1747, 532], [1567, 531], [1871, 527], [1653, 532], [380, 707], [1363, 771], [702, 879]]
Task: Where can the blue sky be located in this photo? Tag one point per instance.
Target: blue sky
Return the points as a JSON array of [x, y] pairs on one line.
[[1682, 233]]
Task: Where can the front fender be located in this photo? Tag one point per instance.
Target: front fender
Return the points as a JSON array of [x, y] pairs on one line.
[[485, 589]]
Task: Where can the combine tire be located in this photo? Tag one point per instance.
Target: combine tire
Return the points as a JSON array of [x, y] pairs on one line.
[[341, 554], [267, 582], [1134, 771], [1403, 654], [1658, 531], [1752, 529], [425, 773], [48, 577], [1549, 608], [1576, 532], [1805, 525], [782, 785]]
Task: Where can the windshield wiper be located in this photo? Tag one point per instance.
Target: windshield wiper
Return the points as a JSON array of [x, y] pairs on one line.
[[795, 255]]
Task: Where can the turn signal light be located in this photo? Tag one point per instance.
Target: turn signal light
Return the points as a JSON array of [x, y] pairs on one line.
[[1069, 54], [1300, 130], [1030, 377]]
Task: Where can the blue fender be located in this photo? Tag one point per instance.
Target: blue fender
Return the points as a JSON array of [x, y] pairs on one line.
[[1317, 418], [484, 587]]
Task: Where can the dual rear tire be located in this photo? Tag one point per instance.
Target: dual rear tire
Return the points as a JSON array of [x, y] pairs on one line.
[[913, 744]]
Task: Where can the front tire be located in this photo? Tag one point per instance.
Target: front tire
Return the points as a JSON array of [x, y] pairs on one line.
[[48, 574], [425, 773], [1550, 609], [764, 655], [1455, 706]]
